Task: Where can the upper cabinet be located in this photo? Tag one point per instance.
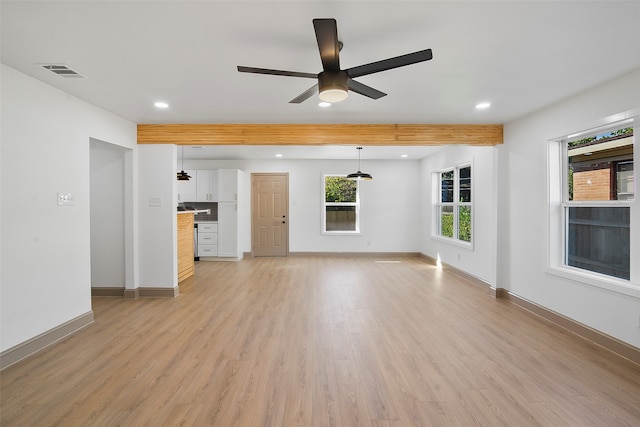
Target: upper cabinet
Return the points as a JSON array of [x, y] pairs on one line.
[[202, 187], [206, 186], [228, 185], [210, 186], [187, 189]]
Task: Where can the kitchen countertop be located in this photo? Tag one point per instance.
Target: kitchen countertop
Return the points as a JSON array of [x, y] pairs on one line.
[[197, 211]]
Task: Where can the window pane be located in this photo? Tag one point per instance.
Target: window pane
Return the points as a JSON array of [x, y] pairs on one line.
[[446, 183], [464, 223], [465, 184], [446, 221], [598, 166], [340, 218], [598, 240], [624, 181], [340, 189]]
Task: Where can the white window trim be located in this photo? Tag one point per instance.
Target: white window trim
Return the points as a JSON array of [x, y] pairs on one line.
[[436, 191], [557, 199], [323, 231]]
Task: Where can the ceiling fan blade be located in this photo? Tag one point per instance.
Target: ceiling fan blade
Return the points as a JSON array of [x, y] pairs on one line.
[[388, 64], [365, 90], [305, 95], [327, 36], [276, 72]]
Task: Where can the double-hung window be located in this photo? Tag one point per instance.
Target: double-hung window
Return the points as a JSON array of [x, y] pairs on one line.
[[453, 207], [341, 213], [597, 191]]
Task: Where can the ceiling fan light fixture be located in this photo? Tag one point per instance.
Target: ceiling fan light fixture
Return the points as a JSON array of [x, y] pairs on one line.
[[333, 94], [332, 86]]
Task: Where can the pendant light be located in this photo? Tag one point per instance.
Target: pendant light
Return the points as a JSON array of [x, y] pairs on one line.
[[359, 174], [182, 175]]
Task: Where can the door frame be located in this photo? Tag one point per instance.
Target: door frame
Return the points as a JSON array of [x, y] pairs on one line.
[[253, 207]]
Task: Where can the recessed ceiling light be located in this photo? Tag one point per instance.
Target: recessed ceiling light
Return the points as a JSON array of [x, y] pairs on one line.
[[324, 104], [404, 156], [278, 155], [483, 105], [160, 104]]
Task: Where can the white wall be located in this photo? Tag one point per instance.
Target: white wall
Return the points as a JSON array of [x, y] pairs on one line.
[[389, 204], [45, 136], [480, 261], [158, 265], [523, 211]]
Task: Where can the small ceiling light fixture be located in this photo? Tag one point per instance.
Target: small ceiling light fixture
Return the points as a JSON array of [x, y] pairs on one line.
[[161, 104], [404, 156], [483, 105], [324, 104], [278, 155], [333, 86], [359, 174], [182, 175]]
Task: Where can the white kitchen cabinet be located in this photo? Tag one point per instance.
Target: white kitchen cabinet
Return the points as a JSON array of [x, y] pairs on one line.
[[187, 189], [207, 239], [206, 186], [228, 230], [228, 180]]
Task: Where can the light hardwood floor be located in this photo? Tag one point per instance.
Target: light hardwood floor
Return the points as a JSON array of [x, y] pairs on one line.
[[321, 341]]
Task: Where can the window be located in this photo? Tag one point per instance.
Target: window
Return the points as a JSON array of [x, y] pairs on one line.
[[341, 205], [453, 207], [598, 188]]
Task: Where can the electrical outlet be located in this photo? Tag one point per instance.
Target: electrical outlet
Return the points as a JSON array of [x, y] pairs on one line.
[[65, 199], [155, 202]]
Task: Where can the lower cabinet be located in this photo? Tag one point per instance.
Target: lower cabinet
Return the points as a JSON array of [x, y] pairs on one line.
[[207, 239]]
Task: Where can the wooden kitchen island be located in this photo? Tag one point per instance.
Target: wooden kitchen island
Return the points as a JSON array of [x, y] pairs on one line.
[[185, 244]]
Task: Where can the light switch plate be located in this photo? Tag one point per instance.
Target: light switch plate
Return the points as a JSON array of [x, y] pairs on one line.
[[155, 202], [65, 199]]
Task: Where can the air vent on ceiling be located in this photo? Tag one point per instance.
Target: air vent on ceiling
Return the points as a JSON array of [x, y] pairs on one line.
[[63, 71]]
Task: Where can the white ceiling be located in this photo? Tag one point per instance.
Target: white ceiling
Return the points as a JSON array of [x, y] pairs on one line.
[[268, 152], [519, 55]]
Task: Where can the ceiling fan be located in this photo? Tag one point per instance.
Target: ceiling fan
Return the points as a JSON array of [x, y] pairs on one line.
[[334, 83]]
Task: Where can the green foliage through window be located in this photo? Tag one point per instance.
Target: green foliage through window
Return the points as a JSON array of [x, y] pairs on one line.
[[446, 222], [339, 189], [464, 223], [628, 131]]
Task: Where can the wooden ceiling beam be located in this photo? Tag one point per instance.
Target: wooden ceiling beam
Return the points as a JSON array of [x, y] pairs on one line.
[[319, 134]]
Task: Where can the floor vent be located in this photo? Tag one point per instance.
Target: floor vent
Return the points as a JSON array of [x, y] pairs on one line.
[[63, 71]]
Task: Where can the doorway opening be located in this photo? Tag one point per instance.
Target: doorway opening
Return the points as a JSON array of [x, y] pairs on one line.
[[111, 218]]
